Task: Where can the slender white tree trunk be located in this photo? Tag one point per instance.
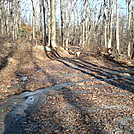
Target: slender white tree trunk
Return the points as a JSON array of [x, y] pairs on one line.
[[105, 23], [129, 26], [53, 25], [33, 19], [62, 22], [117, 27], [40, 23], [49, 23], [73, 3], [111, 25]]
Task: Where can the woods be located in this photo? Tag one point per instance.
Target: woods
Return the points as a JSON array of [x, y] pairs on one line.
[[9, 18], [95, 25], [66, 66]]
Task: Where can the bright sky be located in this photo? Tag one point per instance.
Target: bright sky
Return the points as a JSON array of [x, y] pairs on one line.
[[26, 5]]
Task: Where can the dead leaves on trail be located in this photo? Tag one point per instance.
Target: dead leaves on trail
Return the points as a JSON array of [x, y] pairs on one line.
[[64, 116], [98, 100]]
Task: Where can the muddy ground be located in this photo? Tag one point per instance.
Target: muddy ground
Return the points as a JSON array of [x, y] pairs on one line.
[[79, 95]]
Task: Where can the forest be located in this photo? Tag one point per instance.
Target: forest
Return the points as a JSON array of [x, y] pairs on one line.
[[99, 24], [66, 66]]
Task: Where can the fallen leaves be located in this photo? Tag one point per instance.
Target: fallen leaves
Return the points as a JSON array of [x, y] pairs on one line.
[[93, 104]]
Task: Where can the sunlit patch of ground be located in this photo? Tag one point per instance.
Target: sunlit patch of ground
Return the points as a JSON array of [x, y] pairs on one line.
[[98, 100]]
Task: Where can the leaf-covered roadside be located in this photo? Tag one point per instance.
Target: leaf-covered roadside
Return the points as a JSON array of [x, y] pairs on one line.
[[95, 96]]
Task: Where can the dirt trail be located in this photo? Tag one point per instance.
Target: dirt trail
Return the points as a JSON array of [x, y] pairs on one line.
[[89, 94], [8, 73]]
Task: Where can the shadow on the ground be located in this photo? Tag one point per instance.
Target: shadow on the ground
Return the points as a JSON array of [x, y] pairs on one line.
[[5, 51], [111, 76], [87, 121], [20, 123], [32, 59], [4, 60]]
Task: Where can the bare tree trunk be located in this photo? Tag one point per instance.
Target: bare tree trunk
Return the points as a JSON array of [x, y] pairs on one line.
[[62, 22], [129, 27], [132, 55], [16, 19], [53, 25], [33, 19], [111, 24], [44, 21], [84, 24], [73, 4], [1, 27], [117, 28], [83, 33], [49, 22], [0, 13], [105, 23], [40, 23], [3, 18], [105, 34]]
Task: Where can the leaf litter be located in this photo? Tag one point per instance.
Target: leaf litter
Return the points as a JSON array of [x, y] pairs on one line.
[[94, 103]]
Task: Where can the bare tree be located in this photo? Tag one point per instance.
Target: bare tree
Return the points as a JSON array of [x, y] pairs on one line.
[[41, 15], [90, 24], [53, 25], [62, 22], [129, 17], [105, 22], [33, 19], [111, 4], [117, 27], [10, 16], [44, 21]]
